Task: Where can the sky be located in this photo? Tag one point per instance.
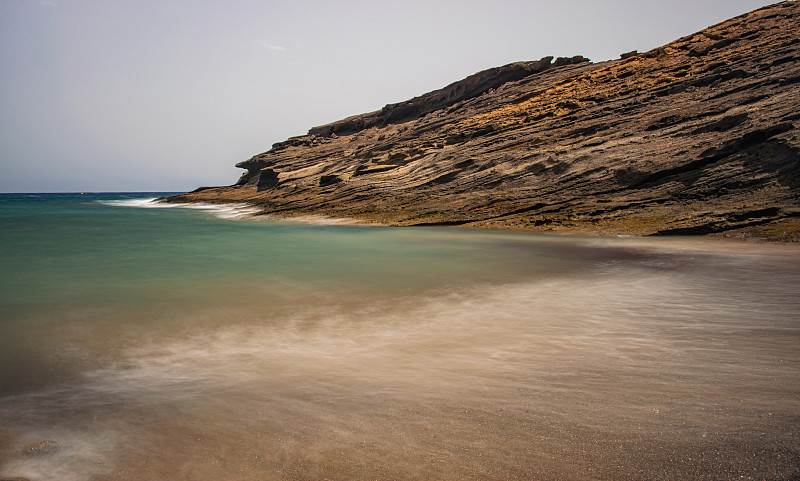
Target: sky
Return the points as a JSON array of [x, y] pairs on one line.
[[167, 95]]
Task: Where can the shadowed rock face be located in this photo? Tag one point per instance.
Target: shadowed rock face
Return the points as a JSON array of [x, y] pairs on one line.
[[699, 136]]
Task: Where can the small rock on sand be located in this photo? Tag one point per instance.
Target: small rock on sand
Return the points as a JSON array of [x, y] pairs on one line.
[[41, 448]]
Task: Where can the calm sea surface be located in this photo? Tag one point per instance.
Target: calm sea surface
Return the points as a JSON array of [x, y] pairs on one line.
[[179, 343]]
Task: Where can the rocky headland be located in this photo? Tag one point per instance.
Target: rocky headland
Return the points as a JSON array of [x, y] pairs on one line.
[[699, 136]]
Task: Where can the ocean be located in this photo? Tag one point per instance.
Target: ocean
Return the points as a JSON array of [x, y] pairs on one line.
[[199, 342]]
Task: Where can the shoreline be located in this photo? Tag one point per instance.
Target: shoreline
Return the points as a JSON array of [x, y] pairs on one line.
[[782, 231]]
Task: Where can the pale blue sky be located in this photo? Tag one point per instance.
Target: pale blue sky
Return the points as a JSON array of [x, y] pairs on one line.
[[168, 95]]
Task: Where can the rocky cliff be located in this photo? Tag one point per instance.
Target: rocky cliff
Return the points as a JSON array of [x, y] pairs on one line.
[[699, 136]]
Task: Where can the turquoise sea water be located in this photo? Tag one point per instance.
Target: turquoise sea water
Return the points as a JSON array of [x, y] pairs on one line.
[[195, 342]]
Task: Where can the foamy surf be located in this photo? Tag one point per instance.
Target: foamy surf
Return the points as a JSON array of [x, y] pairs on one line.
[[233, 211], [319, 219], [222, 211]]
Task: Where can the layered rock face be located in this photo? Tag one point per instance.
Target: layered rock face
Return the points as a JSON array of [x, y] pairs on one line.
[[699, 136]]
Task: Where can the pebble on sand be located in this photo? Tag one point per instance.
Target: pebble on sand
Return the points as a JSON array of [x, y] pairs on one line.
[[41, 448]]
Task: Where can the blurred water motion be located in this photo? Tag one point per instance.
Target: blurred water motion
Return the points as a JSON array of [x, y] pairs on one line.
[[192, 348]]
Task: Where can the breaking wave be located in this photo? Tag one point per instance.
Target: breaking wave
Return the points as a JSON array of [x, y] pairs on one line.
[[226, 211]]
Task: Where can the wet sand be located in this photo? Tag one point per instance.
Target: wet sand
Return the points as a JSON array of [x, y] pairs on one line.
[[622, 359]]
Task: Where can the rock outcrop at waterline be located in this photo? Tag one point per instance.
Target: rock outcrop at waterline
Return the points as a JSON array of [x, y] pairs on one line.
[[699, 136]]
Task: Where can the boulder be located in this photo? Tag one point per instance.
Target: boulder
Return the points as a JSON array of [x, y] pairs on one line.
[[570, 60]]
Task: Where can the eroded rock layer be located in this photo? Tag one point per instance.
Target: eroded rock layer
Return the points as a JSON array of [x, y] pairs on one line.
[[699, 136]]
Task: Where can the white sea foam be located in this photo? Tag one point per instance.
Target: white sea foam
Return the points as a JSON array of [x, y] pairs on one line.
[[148, 202], [226, 211], [320, 219], [223, 211], [232, 211]]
